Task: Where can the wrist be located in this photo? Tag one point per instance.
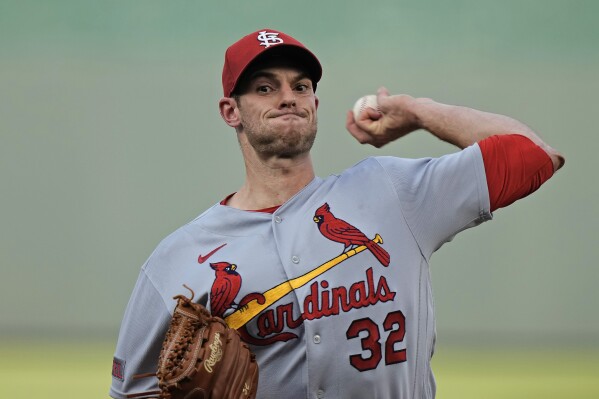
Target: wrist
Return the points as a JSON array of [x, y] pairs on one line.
[[422, 109], [443, 121]]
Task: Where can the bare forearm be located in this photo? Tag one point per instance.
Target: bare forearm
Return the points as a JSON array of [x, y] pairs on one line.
[[463, 126], [402, 114]]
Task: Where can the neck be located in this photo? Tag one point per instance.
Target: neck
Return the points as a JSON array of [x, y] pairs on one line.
[[272, 182]]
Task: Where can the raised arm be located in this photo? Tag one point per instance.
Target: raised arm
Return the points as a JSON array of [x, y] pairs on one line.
[[460, 126]]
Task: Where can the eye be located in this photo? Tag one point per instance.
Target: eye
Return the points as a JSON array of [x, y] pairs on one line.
[[302, 87], [264, 89]]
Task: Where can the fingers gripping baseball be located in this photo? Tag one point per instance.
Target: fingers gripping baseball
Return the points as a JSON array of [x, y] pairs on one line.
[[393, 118]]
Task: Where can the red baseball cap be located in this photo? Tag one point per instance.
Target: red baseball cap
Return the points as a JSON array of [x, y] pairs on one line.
[[259, 44]]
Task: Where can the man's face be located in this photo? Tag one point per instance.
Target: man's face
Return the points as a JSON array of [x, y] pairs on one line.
[[277, 108]]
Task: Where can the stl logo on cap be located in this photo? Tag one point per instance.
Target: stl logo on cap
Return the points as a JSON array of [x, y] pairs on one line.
[[241, 54], [267, 39]]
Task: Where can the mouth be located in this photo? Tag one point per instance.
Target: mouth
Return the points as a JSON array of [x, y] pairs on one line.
[[287, 115]]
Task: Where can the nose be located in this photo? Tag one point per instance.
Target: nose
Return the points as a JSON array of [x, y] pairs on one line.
[[287, 97]]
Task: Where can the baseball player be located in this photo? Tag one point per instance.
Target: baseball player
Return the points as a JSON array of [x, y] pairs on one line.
[[327, 279]]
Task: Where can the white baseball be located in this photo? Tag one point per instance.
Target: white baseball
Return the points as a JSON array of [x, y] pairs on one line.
[[368, 101]]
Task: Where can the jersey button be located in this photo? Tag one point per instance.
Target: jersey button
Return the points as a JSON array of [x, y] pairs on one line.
[[317, 339], [320, 394], [295, 259], [278, 219]]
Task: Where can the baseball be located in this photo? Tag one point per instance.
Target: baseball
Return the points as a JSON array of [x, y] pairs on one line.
[[368, 101]]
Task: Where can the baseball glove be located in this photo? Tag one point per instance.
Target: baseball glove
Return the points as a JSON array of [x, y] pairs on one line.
[[202, 358]]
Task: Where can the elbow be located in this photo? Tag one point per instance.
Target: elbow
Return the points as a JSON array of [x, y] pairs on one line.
[[556, 157]]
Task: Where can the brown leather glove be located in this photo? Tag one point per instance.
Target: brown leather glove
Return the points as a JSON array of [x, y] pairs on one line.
[[202, 358]]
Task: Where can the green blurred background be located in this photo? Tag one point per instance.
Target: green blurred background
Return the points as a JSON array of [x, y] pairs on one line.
[[110, 138]]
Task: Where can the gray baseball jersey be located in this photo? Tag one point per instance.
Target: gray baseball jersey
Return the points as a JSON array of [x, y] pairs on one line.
[[332, 290]]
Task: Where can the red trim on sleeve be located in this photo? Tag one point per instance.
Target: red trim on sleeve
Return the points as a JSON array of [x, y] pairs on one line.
[[515, 167]]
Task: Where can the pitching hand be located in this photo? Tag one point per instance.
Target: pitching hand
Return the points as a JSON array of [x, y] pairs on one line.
[[395, 119]]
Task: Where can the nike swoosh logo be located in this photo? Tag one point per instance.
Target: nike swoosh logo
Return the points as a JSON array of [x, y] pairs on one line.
[[202, 259]]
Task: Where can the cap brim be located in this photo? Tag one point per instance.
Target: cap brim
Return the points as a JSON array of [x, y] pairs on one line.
[[288, 53]]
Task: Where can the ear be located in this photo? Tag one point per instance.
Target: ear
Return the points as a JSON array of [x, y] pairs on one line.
[[316, 101], [229, 111]]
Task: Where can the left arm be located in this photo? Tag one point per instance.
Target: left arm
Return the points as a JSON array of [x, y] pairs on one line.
[[460, 126]]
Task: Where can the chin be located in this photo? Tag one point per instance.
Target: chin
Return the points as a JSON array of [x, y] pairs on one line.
[[291, 146]]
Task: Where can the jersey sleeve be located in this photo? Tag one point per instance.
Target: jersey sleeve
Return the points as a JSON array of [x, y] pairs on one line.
[[140, 340], [515, 167], [439, 197]]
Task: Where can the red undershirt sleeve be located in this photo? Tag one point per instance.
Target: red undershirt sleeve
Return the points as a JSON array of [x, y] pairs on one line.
[[515, 167]]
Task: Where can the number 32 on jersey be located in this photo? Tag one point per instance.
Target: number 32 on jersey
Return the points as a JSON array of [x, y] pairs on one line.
[[373, 349]]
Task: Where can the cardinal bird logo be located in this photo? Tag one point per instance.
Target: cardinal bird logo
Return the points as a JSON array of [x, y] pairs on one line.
[[225, 287], [339, 230]]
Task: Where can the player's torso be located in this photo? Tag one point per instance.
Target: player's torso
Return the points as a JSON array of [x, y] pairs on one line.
[[313, 295]]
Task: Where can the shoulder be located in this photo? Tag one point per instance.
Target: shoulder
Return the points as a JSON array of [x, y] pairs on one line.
[[174, 261], [394, 165], [410, 175], [372, 165], [178, 242], [467, 155]]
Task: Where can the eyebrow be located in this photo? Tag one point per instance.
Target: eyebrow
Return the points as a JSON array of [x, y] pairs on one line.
[[270, 75]]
